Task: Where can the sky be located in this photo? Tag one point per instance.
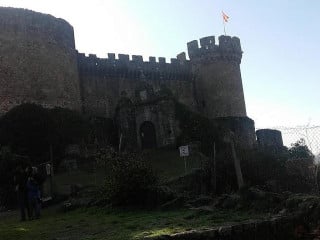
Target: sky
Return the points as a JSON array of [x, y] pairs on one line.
[[280, 40]]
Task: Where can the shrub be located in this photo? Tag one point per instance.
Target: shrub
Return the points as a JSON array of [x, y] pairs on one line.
[[30, 130], [299, 150], [263, 168], [130, 180], [291, 169], [26, 130], [300, 175], [300, 168]]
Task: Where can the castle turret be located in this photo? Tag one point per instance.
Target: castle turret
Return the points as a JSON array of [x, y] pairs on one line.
[[218, 84], [269, 139], [38, 61]]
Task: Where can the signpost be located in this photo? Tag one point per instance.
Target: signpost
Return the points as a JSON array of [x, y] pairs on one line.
[[48, 169], [184, 152]]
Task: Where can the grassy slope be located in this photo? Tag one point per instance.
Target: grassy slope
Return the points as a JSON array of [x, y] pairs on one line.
[[166, 163], [112, 225]]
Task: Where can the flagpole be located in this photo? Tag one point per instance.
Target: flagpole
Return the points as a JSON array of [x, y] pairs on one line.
[[224, 20]]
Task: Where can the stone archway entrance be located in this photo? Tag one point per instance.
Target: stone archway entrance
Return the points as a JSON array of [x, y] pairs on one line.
[[148, 135]]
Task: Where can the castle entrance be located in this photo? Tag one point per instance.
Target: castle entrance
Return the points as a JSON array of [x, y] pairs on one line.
[[148, 135]]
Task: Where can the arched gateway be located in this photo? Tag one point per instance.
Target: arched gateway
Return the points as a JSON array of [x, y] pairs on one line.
[[148, 135]]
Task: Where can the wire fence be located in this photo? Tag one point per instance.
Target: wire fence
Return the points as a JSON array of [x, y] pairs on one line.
[[311, 135]]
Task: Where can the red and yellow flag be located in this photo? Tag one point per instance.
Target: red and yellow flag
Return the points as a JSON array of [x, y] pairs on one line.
[[225, 17]]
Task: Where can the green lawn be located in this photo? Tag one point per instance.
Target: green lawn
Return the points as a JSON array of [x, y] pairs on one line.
[[112, 224]]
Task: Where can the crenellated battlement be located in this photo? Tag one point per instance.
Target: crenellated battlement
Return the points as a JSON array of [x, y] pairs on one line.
[[229, 48], [124, 66]]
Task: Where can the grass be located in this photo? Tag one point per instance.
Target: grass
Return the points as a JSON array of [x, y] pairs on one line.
[[101, 224], [166, 163]]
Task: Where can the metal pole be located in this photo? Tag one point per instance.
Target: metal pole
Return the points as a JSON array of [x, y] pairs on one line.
[[224, 20], [224, 23], [214, 169], [51, 171]]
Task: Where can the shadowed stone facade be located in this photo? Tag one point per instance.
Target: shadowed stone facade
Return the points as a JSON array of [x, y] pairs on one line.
[[38, 60], [39, 63]]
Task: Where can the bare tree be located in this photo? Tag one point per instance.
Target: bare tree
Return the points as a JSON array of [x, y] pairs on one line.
[[229, 138]]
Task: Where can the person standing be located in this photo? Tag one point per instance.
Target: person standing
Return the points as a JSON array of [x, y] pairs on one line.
[[20, 180], [34, 198]]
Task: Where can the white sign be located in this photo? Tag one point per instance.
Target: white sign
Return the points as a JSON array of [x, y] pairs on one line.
[[48, 169], [184, 151]]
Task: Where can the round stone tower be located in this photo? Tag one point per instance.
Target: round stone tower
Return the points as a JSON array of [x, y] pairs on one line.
[[269, 138], [38, 60], [218, 85]]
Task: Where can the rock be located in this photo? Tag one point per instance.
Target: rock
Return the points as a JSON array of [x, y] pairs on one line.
[[204, 209], [283, 211], [75, 203]]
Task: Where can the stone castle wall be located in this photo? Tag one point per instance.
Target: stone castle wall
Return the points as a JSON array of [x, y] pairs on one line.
[[39, 64], [38, 61], [104, 81], [209, 83]]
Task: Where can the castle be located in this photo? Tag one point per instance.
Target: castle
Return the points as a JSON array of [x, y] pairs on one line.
[[39, 64]]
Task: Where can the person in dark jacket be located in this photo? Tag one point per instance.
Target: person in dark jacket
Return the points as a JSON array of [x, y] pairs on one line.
[[20, 179], [34, 198]]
